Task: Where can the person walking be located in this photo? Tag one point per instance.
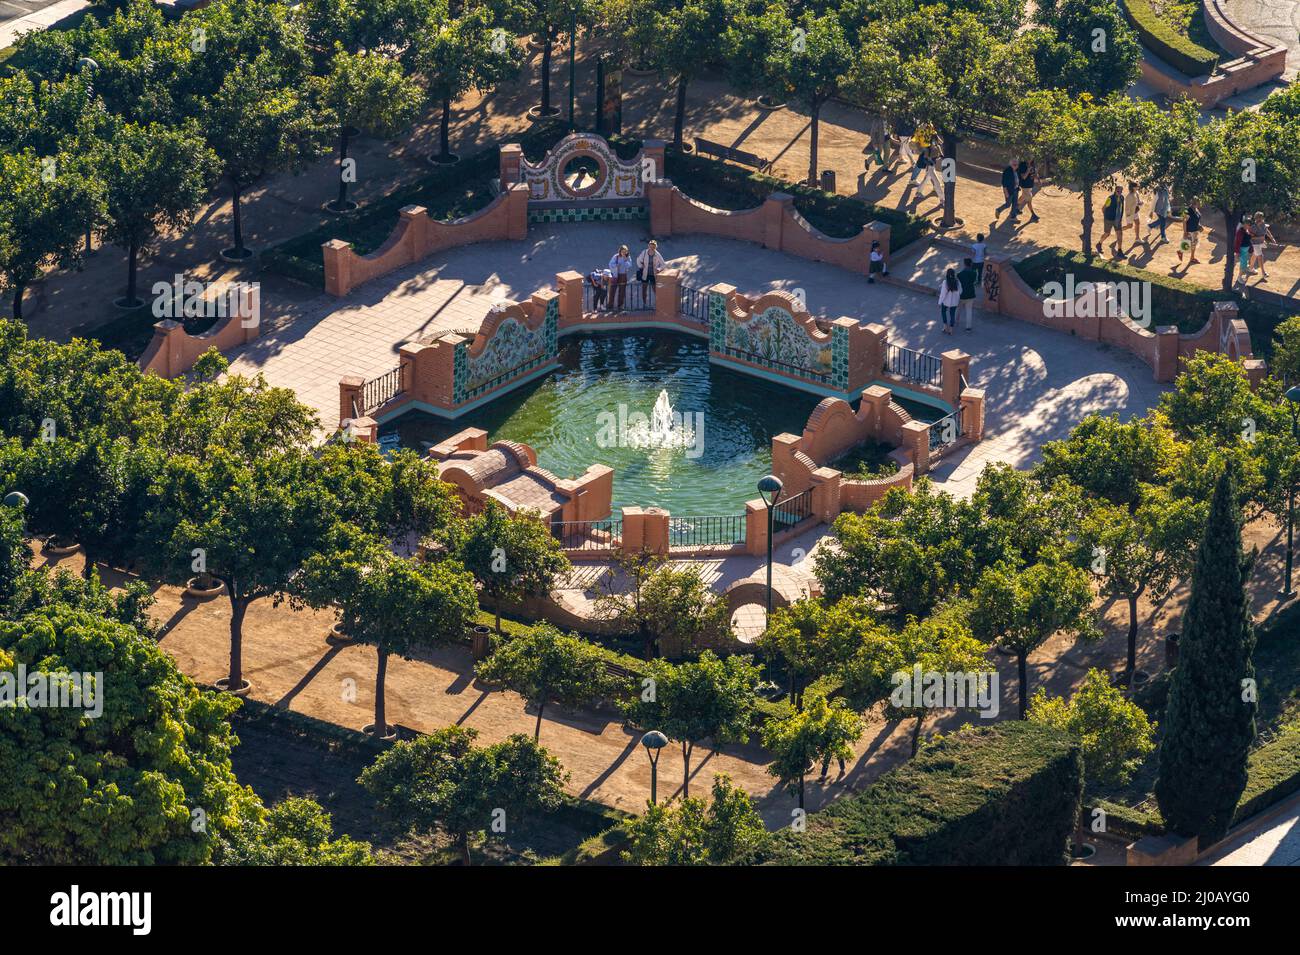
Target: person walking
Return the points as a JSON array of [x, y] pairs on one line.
[[1260, 236], [1112, 217], [978, 250], [1132, 209], [1241, 248], [1191, 233], [968, 278], [877, 137], [1027, 174], [1010, 189], [949, 298], [1162, 208], [931, 170], [619, 267], [649, 264]]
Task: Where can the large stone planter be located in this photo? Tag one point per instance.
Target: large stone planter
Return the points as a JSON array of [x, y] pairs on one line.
[[61, 546]]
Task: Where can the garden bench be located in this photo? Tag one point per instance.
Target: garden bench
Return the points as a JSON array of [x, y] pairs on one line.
[[705, 147]]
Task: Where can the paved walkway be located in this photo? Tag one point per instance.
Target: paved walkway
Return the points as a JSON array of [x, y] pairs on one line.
[[1038, 383], [1276, 841], [1273, 19], [21, 16]]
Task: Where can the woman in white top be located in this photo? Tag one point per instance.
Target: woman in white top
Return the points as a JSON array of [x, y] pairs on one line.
[[949, 299], [649, 263]]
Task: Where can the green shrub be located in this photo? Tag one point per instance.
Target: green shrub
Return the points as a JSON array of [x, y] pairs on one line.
[[1173, 301], [1162, 39], [1272, 773], [733, 188], [1007, 794], [1127, 820]]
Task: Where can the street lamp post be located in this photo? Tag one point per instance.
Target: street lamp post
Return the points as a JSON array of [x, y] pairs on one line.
[[653, 742], [770, 488], [1286, 593], [87, 66]]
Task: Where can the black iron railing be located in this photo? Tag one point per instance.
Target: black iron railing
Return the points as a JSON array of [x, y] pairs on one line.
[[379, 391], [694, 303], [709, 531], [947, 429], [913, 365], [588, 535], [763, 361], [633, 297], [792, 510]]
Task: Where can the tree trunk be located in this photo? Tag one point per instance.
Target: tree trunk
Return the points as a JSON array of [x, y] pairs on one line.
[[19, 289], [238, 607], [537, 729], [444, 130], [813, 130], [342, 202], [950, 142], [496, 608], [1087, 220], [235, 218], [1132, 635], [679, 117], [132, 255], [546, 73], [801, 790], [1022, 663], [381, 671], [916, 734], [686, 769], [1231, 219], [464, 848]]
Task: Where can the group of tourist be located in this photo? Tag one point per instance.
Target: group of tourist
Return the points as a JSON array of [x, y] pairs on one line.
[[959, 287], [609, 285], [1020, 183]]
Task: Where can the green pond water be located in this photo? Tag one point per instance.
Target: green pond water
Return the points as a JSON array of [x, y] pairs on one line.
[[582, 414], [572, 419]]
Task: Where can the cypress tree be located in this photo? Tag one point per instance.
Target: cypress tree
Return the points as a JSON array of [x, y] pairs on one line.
[[1210, 718]]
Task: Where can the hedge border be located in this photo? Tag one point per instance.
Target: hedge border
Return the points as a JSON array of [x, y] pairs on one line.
[[1181, 52]]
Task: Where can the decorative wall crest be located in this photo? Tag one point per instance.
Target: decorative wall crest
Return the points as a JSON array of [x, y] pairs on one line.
[[582, 166]]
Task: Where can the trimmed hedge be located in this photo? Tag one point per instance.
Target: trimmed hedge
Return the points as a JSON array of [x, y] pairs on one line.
[[735, 188], [1007, 794], [1173, 301], [1182, 53], [1272, 774]]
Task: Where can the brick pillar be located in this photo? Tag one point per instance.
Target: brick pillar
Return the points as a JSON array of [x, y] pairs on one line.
[[633, 541], [756, 528], [509, 166], [517, 214], [364, 430], [773, 215], [349, 394], [871, 411], [1165, 365], [338, 257], [1224, 314], [668, 294], [955, 364], [653, 150], [877, 232], [972, 418], [656, 531], [417, 235], [1256, 369], [660, 197], [916, 441], [826, 494], [570, 286], [792, 476]]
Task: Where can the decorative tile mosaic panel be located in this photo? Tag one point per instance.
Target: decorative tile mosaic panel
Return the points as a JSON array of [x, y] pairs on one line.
[[513, 350], [614, 179], [589, 214], [776, 339]]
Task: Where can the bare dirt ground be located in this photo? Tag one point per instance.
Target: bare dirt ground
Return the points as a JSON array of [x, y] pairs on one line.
[[291, 666]]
